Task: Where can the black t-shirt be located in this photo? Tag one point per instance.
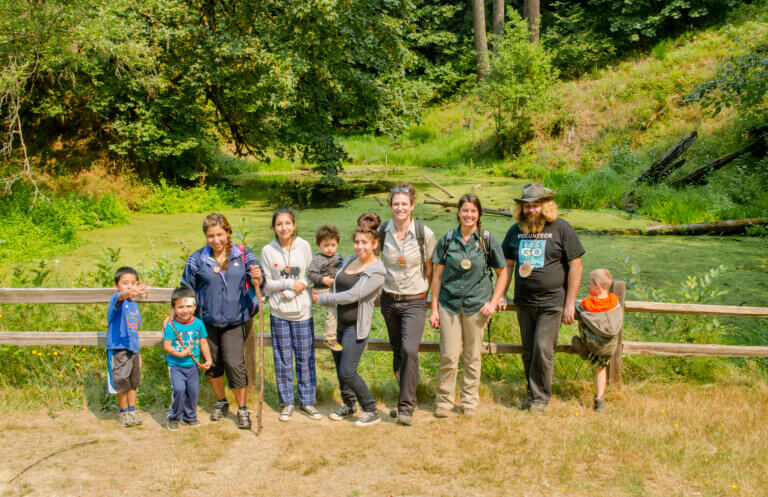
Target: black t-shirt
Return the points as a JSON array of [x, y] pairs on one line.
[[548, 254], [346, 313]]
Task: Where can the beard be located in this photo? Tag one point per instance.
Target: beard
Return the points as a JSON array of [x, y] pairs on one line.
[[530, 225]]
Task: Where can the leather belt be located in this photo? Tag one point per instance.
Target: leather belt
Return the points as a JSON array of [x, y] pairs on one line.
[[399, 297]]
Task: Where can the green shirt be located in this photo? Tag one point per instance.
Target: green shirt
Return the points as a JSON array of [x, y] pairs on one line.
[[466, 289]]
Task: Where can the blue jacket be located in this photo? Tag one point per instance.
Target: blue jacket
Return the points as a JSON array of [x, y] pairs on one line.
[[222, 300]]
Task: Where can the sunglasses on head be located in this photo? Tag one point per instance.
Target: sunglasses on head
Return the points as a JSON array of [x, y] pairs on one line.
[[399, 190]]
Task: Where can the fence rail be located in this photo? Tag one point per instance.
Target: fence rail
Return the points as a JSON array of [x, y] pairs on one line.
[[163, 295]]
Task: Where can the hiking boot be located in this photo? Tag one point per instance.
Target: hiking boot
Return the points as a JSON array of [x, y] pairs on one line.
[[342, 412], [173, 424], [526, 404], [135, 416], [334, 345], [469, 411], [578, 346], [368, 418], [538, 407], [393, 413], [311, 412], [599, 404], [243, 419], [125, 419], [404, 419], [220, 409], [442, 412], [286, 413], [193, 423]]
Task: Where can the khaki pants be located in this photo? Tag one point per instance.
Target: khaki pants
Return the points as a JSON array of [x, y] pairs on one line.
[[330, 319], [456, 330]]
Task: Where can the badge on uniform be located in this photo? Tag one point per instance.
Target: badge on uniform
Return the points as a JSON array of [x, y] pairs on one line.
[[466, 264], [401, 261], [525, 270], [216, 269]]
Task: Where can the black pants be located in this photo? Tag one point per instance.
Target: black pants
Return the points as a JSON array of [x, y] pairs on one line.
[[539, 328], [351, 384], [227, 348], [405, 325]]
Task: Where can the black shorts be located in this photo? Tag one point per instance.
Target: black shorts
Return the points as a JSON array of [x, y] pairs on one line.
[[123, 372]]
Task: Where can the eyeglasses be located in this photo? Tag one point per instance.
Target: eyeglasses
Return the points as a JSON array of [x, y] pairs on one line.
[[399, 190]]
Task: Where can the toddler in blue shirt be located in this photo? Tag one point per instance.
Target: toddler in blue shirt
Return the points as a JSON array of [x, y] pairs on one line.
[[184, 339]]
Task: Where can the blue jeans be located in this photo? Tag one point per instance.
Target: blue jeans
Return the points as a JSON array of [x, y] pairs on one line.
[[351, 384], [186, 386]]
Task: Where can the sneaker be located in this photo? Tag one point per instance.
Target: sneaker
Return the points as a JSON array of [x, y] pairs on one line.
[[599, 404], [243, 419], [368, 418], [286, 413], [125, 419], [578, 346], [442, 412], [538, 407], [191, 422], [404, 419], [469, 411], [136, 417], [342, 412], [334, 345], [393, 414], [220, 409], [311, 412], [526, 404], [173, 424]]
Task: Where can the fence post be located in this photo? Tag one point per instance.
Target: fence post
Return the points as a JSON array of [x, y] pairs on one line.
[[619, 288]]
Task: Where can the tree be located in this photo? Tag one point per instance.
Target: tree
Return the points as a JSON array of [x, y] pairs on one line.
[[481, 43], [498, 17], [520, 73], [532, 12]]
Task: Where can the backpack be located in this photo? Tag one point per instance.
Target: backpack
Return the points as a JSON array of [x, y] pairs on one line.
[[419, 238], [485, 243], [249, 290]]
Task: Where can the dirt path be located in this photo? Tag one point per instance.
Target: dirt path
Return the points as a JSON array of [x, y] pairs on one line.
[[654, 440]]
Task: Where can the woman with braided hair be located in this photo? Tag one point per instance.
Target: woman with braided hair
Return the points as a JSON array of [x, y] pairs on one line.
[[463, 300]]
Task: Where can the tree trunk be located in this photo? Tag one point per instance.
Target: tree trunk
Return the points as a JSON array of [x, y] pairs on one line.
[[531, 12], [665, 166], [699, 176], [481, 42], [498, 17]]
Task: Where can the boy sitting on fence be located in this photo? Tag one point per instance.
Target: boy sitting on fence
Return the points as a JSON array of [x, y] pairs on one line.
[[600, 319], [123, 359], [184, 338]]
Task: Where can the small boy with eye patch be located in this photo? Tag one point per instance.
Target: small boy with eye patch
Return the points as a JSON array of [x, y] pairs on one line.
[[321, 272], [600, 319], [184, 339]]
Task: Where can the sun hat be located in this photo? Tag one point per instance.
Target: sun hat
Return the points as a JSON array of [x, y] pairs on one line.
[[534, 192]]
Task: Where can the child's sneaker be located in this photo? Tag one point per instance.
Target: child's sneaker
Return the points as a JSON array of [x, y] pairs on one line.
[[173, 424], [286, 413], [334, 345], [599, 404], [136, 417], [243, 419], [191, 423], [368, 418], [312, 412], [220, 410], [125, 419], [342, 412]]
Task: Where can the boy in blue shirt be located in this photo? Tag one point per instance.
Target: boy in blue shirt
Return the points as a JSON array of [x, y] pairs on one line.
[[123, 359], [184, 338]]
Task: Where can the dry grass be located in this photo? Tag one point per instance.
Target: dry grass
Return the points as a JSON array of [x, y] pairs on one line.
[[654, 440]]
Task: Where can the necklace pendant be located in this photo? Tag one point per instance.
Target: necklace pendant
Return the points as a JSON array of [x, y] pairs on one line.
[[466, 264], [525, 270], [216, 269], [287, 269]]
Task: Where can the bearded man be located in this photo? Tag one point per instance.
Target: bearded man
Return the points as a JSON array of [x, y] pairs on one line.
[[547, 254]]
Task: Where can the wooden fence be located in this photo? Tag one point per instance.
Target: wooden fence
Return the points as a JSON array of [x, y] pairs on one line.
[[163, 295]]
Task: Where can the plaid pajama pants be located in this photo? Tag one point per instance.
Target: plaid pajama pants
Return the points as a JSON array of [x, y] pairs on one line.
[[297, 338]]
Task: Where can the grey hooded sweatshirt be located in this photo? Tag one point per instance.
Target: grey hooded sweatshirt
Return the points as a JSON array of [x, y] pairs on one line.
[[365, 292]]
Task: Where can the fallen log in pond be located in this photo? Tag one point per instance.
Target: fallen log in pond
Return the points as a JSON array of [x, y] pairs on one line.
[[446, 203], [729, 227], [439, 186]]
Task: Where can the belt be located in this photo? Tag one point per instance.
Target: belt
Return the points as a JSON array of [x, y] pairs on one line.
[[398, 296]]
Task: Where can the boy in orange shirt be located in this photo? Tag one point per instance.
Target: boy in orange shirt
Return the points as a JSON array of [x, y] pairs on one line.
[[600, 320]]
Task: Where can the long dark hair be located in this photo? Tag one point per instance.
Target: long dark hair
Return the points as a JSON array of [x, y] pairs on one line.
[[472, 199], [215, 219], [284, 210]]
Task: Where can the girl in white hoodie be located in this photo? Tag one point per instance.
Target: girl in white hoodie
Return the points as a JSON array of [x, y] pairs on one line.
[[285, 261]]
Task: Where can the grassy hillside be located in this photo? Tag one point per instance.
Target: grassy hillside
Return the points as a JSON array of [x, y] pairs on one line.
[[623, 116]]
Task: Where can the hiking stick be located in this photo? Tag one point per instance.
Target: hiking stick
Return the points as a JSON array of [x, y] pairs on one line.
[[259, 426], [178, 337]]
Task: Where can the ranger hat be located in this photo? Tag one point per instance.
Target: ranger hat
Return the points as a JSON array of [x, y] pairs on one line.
[[535, 193]]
